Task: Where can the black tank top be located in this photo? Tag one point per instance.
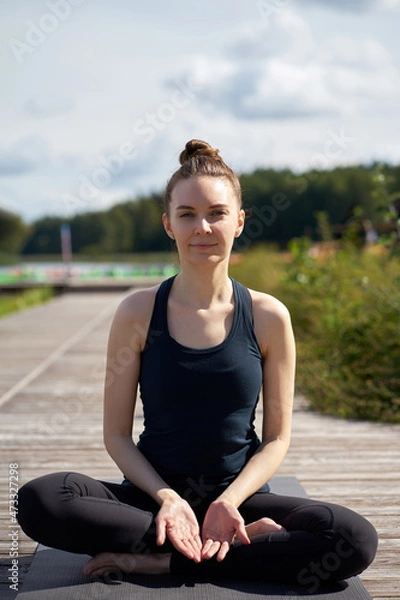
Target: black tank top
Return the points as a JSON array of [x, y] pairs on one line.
[[199, 404]]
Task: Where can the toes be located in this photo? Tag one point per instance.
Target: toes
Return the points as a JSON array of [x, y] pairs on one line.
[[264, 525], [103, 563], [107, 574]]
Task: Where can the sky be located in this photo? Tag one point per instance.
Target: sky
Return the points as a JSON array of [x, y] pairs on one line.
[[98, 98]]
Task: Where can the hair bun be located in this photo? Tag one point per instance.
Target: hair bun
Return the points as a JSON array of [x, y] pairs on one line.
[[198, 148]]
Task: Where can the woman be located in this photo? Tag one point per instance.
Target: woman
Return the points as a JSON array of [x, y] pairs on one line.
[[195, 498]]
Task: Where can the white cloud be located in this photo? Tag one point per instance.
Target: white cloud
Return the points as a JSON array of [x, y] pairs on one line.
[[391, 4], [265, 91], [360, 54], [47, 105], [26, 155], [258, 79], [356, 5]]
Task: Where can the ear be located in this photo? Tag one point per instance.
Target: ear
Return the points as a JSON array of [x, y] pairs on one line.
[[167, 226], [240, 225]]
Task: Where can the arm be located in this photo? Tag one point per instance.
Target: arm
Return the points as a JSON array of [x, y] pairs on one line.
[[275, 335], [126, 339], [126, 342]]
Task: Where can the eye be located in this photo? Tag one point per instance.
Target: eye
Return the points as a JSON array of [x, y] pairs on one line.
[[184, 215]]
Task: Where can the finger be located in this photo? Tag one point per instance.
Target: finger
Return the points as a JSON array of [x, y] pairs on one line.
[[193, 547], [199, 543], [241, 534], [223, 551], [210, 549], [182, 548], [196, 543], [182, 545], [160, 532], [207, 545]]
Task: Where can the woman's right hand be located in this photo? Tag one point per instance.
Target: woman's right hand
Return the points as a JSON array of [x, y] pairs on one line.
[[177, 521]]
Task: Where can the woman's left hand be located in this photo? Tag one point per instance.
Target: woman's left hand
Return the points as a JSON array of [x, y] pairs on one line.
[[222, 523]]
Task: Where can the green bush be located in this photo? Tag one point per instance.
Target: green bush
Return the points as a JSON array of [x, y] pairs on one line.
[[345, 308], [346, 313], [19, 301]]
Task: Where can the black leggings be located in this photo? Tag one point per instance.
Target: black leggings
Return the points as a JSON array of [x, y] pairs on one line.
[[323, 542]]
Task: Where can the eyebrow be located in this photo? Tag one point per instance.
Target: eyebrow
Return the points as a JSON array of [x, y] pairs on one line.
[[188, 207]]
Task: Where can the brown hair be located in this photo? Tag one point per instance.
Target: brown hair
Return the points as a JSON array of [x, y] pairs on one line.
[[199, 158]]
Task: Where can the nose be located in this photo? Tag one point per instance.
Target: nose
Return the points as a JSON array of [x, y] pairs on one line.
[[202, 226]]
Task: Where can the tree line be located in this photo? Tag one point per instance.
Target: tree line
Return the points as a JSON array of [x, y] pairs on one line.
[[280, 205]]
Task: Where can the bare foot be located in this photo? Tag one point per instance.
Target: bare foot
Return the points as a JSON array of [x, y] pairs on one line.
[[105, 563], [264, 525], [110, 562]]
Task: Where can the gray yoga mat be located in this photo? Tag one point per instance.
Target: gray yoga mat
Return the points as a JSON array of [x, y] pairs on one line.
[[57, 575]]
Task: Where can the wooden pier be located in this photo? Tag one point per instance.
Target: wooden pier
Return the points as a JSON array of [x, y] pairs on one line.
[[52, 361]]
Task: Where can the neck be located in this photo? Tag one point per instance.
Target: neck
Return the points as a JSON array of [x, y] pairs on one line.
[[202, 288]]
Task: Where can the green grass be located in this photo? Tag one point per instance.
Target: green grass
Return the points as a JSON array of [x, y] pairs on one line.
[[25, 299], [7, 259]]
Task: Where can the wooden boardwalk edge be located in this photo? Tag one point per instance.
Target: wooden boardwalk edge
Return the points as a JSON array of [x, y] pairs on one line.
[[52, 368]]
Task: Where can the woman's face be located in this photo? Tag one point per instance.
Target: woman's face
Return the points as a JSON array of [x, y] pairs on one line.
[[204, 218]]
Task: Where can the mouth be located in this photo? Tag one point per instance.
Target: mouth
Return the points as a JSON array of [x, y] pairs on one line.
[[202, 246]]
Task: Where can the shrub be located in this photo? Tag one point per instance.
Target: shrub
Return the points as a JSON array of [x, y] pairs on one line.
[[345, 307], [20, 300]]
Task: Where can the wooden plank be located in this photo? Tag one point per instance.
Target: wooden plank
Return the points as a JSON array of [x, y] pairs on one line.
[[54, 422]]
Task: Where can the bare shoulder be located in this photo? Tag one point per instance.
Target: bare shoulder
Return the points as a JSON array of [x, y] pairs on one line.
[[268, 307], [140, 302], [133, 315], [271, 319]]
